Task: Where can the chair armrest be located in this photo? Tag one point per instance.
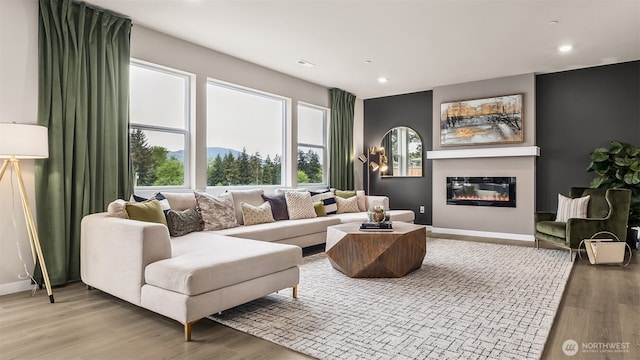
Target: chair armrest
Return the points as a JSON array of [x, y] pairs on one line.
[[114, 253], [580, 229], [544, 216]]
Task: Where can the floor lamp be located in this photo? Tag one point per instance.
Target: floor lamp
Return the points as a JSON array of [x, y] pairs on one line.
[[25, 141], [373, 166]]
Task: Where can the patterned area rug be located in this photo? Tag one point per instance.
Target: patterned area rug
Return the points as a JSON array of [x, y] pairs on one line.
[[468, 301]]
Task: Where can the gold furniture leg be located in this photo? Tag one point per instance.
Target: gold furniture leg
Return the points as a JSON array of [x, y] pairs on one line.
[[34, 241], [295, 291]]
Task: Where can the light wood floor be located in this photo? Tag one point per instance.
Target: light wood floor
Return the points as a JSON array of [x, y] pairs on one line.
[[601, 304]]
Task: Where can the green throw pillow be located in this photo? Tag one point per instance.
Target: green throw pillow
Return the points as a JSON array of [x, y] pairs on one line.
[[318, 206], [149, 211], [345, 194]]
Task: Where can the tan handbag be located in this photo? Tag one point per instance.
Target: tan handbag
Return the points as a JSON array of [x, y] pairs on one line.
[[605, 251]]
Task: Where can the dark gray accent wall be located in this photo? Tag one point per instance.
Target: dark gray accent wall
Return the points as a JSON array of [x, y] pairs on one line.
[[576, 112], [382, 114]]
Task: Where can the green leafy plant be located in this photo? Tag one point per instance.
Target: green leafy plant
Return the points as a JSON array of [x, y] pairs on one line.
[[618, 167]]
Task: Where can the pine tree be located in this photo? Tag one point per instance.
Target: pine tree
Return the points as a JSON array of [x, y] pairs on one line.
[[267, 171], [314, 167], [230, 167], [142, 158], [215, 171], [255, 163], [244, 168]]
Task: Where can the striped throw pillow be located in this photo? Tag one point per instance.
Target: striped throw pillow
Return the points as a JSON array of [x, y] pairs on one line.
[[571, 208], [328, 200]]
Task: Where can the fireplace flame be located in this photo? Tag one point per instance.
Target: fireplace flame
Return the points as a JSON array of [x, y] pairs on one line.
[[496, 197]]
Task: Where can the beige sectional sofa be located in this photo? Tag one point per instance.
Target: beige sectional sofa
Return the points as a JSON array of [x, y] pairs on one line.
[[201, 273]]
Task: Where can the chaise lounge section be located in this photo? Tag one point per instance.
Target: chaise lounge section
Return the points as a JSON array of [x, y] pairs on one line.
[[201, 273]]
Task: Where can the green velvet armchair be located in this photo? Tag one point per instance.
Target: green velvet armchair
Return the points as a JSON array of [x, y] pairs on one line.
[[608, 210]]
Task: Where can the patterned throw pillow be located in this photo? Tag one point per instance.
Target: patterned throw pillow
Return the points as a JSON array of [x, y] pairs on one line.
[[149, 211], [572, 208], [278, 205], [328, 200], [299, 205], [183, 222], [217, 212], [347, 205], [257, 214]]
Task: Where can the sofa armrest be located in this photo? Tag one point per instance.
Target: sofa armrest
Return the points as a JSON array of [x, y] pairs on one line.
[[114, 253], [544, 216], [373, 200]]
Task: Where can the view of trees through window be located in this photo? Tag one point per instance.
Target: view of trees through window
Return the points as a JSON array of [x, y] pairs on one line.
[[154, 165]]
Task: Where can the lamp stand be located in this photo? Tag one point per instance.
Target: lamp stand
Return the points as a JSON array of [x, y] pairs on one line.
[[34, 241]]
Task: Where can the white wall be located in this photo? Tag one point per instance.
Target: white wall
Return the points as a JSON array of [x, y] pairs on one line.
[[18, 103]]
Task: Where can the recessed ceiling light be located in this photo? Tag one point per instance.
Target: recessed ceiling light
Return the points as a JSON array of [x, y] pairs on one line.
[[306, 63], [565, 48], [368, 61], [553, 22], [382, 80]]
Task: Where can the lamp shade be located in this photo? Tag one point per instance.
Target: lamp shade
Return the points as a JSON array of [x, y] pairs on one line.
[[24, 141]]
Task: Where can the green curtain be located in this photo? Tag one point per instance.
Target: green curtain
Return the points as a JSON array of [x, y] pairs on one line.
[[341, 139], [84, 101]]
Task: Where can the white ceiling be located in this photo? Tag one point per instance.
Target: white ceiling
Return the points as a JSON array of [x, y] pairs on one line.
[[418, 45]]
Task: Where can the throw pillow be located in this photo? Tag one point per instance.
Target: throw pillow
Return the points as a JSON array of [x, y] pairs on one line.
[[328, 200], [257, 214], [572, 208], [149, 211], [299, 205], [251, 197], [278, 205], [157, 196], [183, 222], [217, 212], [116, 209], [345, 194], [347, 205], [362, 200], [319, 208]]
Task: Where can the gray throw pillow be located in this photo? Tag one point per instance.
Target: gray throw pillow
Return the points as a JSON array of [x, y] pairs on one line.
[[278, 205], [183, 222]]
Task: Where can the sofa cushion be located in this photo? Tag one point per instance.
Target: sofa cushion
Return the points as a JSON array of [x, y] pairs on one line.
[[281, 230], [299, 205], [227, 262], [183, 222], [251, 197], [181, 201], [553, 228], [257, 214], [278, 206], [149, 211], [217, 212]]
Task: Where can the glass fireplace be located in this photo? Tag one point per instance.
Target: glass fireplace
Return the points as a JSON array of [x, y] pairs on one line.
[[481, 191]]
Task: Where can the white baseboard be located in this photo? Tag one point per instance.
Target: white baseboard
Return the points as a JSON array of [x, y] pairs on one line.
[[16, 287], [487, 234]]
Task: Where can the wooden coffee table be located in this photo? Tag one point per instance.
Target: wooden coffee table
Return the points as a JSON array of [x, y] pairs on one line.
[[364, 254]]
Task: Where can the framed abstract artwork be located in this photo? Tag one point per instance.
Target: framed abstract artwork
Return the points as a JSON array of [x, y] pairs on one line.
[[494, 120]]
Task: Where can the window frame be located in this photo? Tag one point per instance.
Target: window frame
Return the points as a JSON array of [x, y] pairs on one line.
[[325, 139], [285, 162], [185, 132]]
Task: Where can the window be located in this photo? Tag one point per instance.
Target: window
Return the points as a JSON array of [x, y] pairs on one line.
[[312, 144], [245, 136], [159, 135]]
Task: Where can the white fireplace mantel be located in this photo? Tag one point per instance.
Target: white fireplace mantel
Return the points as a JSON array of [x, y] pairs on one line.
[[484, 153]]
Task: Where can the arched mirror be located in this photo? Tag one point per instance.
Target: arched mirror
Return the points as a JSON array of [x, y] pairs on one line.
[[403, 148]]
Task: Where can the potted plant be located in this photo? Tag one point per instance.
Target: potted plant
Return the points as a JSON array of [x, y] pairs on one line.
[[618, 167]]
